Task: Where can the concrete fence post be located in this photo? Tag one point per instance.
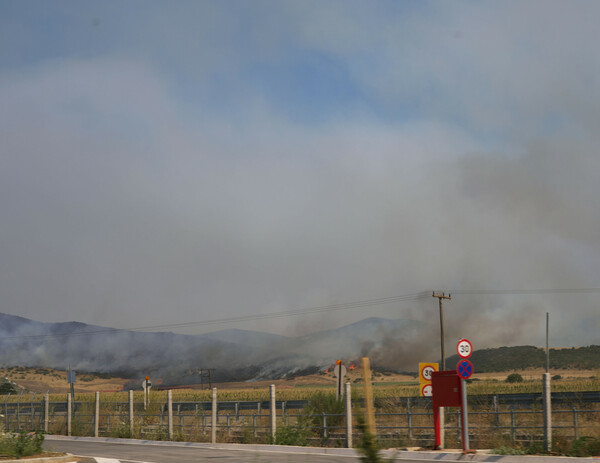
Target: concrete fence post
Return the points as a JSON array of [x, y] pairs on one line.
[[170, 412], [213, 426], [131, 413], [513, 424], [547, 401], [273, 411], [348, 416], [496, 416], [409, 419], [97, 415], [46, 412], [69, 411]]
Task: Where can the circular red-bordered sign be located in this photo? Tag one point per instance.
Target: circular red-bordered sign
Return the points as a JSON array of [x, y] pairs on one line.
[[464, 368], [426, 390], [426, 372], [464, 348]]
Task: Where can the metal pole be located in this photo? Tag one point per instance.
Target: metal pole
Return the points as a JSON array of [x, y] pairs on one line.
[[46, 411], [170, 412], [547, 413], [213, 426], [19, 412], [409, 418], [97, 415], [7, 421], [340, 380], [131, 413], [465, 416], [69, 414], [32, 410], [547, 398], [348, 416], [273, 411]]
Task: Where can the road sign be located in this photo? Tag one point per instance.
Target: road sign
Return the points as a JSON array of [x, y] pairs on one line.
[[146, 384], [464, 348], [425, 370], [339, 370], [426, 390], [464, 368]]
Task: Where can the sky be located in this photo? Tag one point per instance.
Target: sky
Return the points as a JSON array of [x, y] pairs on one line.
[[178, 162]]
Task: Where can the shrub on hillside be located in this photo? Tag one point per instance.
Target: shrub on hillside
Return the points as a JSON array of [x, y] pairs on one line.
[[7, 387], [514, 378]]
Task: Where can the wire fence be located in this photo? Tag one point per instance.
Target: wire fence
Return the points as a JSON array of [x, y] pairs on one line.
[[493, 420]]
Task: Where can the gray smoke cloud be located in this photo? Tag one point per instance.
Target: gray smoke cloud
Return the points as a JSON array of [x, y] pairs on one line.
[[321, 154]]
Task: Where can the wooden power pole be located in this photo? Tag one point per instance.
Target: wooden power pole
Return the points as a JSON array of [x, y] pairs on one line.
[[441, 297], [441, 411]]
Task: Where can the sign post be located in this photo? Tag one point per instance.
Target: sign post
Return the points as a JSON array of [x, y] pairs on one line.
[[449, 389], [146, 385], [340, 372], [71, 378], [464, 368]]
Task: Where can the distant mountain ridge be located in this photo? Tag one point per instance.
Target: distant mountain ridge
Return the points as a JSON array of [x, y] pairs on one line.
[[234, 353], [237, 354]]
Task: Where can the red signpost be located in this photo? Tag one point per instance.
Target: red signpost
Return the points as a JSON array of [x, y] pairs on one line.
[[450, 390], [447, 392]]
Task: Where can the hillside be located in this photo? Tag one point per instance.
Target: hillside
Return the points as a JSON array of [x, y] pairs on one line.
[[232, 354], [240, 355], [524, 357]]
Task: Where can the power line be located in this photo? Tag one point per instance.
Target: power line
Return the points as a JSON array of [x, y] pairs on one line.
[[528, 291], [319, 309]]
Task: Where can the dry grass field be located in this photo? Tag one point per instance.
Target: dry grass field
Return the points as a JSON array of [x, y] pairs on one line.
[[40, 380]]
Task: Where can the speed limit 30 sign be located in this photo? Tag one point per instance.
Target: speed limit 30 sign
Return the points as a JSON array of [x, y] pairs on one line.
[[464, 348], [425, 370]]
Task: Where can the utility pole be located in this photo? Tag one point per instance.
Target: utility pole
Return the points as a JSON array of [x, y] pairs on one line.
[[441, 297], [441, 411]]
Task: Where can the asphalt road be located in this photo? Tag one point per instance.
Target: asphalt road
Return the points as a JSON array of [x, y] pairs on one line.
[[148, 453]]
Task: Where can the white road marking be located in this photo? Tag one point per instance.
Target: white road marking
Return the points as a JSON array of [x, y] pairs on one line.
[[106, 460]]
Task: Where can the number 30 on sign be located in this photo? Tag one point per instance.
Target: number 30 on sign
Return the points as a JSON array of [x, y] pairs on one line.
[[464, 348], [425, 370]]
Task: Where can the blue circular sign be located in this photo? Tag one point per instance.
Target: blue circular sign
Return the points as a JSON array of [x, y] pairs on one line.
[[464, 368]]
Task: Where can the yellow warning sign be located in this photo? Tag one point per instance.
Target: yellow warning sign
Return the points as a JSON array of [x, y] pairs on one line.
[[425, 370]]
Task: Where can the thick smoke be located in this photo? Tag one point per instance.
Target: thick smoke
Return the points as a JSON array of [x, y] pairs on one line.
[[149, 183]]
